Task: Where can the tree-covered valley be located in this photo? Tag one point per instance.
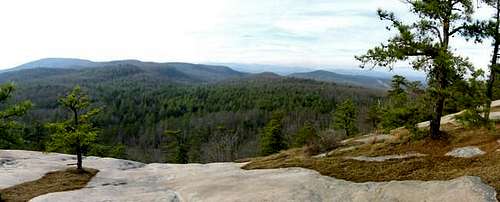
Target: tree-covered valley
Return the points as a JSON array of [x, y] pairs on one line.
[[220, 113]]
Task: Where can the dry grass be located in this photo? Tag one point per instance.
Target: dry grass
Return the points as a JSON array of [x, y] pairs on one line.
[[57, 181], [435, 166]]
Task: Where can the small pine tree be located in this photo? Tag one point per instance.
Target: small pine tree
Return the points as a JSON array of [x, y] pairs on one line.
[[306, 135], [397, 84], [272, 140], [8, 138], [374, 116], [179, 144], [345, 118], [77, 134]]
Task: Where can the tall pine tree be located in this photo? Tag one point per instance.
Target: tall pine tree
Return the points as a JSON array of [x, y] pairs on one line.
[[489, 29], [426, 44]]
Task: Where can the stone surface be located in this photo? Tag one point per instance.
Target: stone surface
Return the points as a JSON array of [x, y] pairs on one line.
[[450, 119], [342, 149], [466, 152], [347, 148], [120, 180], [370, 138], [385, 158], [495, 116], [495, 103]]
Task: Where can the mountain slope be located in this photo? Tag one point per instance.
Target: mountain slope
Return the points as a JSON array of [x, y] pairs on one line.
[[58, 63], [61, 69], [322, 75]]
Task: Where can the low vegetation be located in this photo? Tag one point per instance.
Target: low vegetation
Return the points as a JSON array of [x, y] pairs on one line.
[[434, 166], [58, 181]]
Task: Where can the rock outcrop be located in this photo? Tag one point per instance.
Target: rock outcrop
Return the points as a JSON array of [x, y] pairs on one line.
[[385, 158], [121, 180], [466, 152], [450, 118]]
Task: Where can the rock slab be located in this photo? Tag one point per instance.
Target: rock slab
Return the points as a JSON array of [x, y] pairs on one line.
[[120, 180], [466, 152], [385, 158]]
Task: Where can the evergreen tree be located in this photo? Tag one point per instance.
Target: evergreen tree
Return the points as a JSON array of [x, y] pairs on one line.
[[374, 116], [306, 135], [179, 144], [398, 83], [489, 29], [76, 134], [470, 96], [405, 105], [426, 44], [272, 141], [345, 118], [10, 138]]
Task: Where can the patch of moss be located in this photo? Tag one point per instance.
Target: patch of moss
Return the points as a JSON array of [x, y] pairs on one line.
[[65, 180]]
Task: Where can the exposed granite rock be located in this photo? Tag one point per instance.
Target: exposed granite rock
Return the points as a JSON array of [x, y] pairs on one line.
[[466, 152], [227, 182], [385, 158], [370, 138]]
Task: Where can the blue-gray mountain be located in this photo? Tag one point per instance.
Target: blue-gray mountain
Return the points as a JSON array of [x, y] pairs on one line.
[[64, 69], [60, 69], [356, 80]]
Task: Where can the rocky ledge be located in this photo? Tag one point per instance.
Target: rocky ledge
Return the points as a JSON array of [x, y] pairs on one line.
[[122, 180]]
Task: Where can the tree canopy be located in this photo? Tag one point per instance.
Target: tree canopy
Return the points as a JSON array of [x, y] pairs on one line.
[[425, 43]]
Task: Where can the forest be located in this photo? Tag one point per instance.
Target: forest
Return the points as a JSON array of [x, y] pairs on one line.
[[221, 121]]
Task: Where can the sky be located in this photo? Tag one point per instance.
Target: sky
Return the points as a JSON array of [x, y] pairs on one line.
[[309, 33]]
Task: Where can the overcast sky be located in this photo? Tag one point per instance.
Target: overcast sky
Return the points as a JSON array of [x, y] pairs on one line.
[[311, 33]]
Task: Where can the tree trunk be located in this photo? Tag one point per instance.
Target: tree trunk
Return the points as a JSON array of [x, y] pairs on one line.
[[79, 163], [436, 120], [435, 124], [493, 68], [79, 157]]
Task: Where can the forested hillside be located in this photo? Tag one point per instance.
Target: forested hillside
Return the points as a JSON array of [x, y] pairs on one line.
[[221, 115], [356, 80]]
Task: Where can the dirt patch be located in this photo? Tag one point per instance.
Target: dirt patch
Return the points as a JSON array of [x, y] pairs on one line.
[[57, 181]]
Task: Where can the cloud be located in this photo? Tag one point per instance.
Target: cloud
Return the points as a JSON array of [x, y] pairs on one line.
[[312, 33]]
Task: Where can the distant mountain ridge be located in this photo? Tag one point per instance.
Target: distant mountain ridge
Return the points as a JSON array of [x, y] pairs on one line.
[[58, 63], [358, 80], [59, 69]]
